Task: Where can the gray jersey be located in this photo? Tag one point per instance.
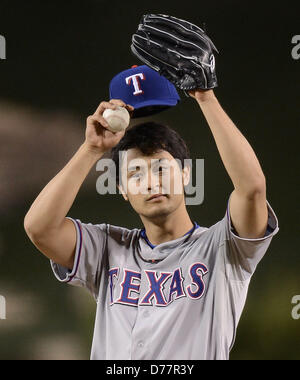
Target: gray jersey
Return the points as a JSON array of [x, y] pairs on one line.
[[184, 307]]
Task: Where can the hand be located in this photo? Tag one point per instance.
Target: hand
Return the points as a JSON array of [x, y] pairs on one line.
[[201, 95], [97, 136]]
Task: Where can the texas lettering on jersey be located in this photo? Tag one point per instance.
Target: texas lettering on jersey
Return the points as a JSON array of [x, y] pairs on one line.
[[162, 287]]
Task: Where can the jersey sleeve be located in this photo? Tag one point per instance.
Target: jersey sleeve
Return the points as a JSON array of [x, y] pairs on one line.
[[90, 247], [242, 255]]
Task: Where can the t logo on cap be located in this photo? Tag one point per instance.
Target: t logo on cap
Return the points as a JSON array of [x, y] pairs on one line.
[[136, 83]]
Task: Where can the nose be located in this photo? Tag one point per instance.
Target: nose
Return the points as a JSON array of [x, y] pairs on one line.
[[154, 183]]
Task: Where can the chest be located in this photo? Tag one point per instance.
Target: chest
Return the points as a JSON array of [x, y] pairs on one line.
[[157, 287]]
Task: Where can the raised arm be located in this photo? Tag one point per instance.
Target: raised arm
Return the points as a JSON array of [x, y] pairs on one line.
[[248, 207], [45, 223]]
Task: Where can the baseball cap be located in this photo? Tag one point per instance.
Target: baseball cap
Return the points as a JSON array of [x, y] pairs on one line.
[[145, 89]]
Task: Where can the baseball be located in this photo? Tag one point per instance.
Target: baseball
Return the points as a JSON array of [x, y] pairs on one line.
[[118, 120]]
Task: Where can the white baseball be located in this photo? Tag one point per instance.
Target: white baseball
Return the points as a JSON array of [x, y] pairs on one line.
[[118, 120]]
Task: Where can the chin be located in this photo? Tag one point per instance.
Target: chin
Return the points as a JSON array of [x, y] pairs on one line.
[[158, 211]]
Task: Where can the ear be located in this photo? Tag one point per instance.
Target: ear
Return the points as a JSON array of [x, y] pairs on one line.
[[186, 175], [123, 192]]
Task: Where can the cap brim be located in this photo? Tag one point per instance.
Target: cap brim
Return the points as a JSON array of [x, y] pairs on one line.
[[156, 102], [151, 107]]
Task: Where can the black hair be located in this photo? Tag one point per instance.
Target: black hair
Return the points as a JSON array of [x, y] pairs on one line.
[[149, 138]]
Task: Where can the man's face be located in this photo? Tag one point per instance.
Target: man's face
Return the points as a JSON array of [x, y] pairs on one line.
[[154, 185]]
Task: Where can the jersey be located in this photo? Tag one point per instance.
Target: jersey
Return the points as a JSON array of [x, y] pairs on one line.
[[186, 306]]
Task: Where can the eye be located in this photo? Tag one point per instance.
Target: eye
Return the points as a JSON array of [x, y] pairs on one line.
[[137, 175], [162, 170]]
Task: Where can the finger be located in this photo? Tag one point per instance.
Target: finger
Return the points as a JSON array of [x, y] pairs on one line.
[[118, 102], [96, 120], [108, 134], [103, 106], [129, 107]]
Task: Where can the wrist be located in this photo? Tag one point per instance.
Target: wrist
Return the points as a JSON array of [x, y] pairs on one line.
[[92, 151], [204, 96]]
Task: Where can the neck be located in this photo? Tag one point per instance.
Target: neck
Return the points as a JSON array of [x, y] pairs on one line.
[[167, 227]]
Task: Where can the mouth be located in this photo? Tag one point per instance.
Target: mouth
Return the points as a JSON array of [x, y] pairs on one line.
[[157, 197]]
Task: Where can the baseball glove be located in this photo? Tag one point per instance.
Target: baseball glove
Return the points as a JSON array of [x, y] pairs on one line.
[[178, 50]]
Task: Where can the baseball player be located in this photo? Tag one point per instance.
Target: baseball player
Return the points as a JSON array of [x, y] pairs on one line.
[[172, 290]]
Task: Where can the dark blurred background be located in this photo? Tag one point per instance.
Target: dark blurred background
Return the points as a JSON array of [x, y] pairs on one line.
[[60, 59]]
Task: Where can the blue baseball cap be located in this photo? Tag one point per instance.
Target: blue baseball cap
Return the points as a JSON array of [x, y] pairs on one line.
[[144, 89]]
